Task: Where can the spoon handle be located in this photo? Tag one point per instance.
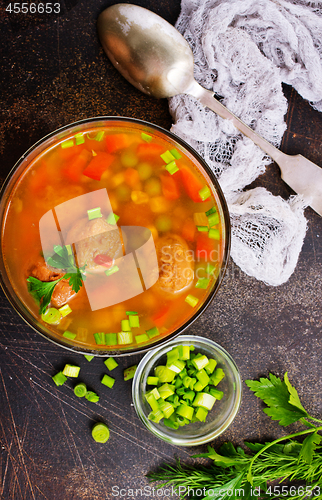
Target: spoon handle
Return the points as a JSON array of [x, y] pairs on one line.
[[207, 98]]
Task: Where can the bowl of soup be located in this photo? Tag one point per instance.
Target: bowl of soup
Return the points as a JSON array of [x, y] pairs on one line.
[[115, 236]]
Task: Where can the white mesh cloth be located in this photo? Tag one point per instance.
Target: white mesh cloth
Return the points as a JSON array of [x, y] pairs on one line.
[[244, 50]]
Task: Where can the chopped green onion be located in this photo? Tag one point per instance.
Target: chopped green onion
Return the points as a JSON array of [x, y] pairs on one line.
[[112, 218], [210, 268], [200, 361], [172, 167], [175, 153], [110, 363], [71, 370], [185, 411], [129, 372], [51, 316], [125, 338], [165, 391], [202, 283], [99, 136], [172, 424], [64, 310], [94, 213], [153, 332], [176, 366], [125, 325], [167, 408], [172, 355], [155, 416], [205, 400], [204, 193], [100, 432], [67, 144], [111, 271], [184, 352], [216, 394], [201, 414], [134, 321], [69, 335], [108, 381], [139, 339], [217, 376], [146, 137], [80, 390], [110, 339], [202, 377], [211, 210], [99, 338], [152, 380], [79, 138], [155, 393], [204, 229], [92, 397], [89, 357], [167, 157], [59, 378], [191, 300], [211, 366], [131, 313], [214, 234], [164, 374], [154, 405]]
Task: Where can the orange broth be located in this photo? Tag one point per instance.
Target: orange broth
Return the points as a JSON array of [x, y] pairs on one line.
[[126, 165]]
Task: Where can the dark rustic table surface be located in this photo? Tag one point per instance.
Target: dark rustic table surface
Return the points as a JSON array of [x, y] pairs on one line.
[[54, 72]]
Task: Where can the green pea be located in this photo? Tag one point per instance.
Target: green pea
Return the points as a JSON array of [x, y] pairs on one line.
[[129, 159], [163, 223], [153, 187], [144, 170]]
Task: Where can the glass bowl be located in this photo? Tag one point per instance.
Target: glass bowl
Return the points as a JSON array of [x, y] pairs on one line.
[[223, 411], [11, 280]]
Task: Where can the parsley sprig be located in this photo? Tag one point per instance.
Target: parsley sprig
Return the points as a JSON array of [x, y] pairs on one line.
[[62, 259], [237, 474]]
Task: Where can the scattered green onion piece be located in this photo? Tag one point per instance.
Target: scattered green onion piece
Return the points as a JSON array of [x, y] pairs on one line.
[[94, 213], [185, 411], [111, 271], [51, 316], [164, 374], [217, 376], [202, 283], [153, 332], [211, 366], [152, 380], [71, 370], [214, 234], [191, 300], [216, 394], [92, 397], [167, 157], [69, 335], [125, 325], [64, 310], [175, 153], [79, 139], [203, 229], [146, 137], [99, 338], [155, 416], [204, 193], [167, 408], [213, 219], [172, 167], [108, 381], [89, 357], [129, 372], [59, 378], [131, 313], [100, 432], [67, 144], [124, 338], [99, 136], [200, 361], [112, 218], [205, 400], [134, 321], [110, 363], [211, 210], [80, 390], [139, 339], [201, 414], [210, 269], [110, 339], [154, 405]]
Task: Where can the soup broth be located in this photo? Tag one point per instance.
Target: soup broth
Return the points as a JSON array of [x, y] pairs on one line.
[[121, 226]]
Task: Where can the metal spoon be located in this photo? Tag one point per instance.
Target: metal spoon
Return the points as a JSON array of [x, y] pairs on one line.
[[154, 57]]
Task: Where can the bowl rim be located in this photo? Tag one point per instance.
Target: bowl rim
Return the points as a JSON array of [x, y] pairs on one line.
[[5, 282], [158, 352]]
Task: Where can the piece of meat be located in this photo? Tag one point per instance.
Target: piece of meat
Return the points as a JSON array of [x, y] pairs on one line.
[[62, 291], [176, 264], [92, 238]]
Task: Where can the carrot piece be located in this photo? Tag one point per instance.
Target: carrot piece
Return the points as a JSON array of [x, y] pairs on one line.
[[188, 230], [68, 153], [131, 177], [159, 317], [191, 183], [74, 168], [170, 187], [115, 142], [98, 165], [151, 150], [205, 247], [39, 181]]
